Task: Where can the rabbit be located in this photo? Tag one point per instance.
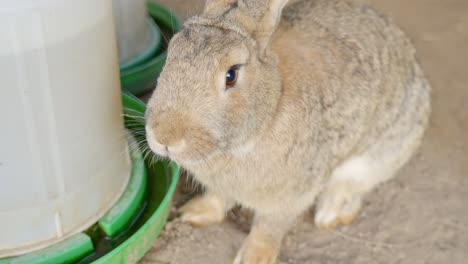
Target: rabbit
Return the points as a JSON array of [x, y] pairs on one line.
[[281, 107]]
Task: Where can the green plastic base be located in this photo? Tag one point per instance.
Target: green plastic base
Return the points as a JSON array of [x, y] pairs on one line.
[[162, 180], [125, 209], [130, 244], [141, 78], [67, 251], [148, 52]]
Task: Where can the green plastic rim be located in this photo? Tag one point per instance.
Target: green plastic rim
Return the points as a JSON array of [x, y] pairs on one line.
[[124, 210], [147, 52], [67, 251], [142, 77], [135, 247], [164, 16], [162, 181], [136, 80], [162, 176]]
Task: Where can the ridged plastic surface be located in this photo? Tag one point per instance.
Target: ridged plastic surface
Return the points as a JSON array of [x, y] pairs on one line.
[[124, 210], [133, 32], [67, 251], [63, 155]]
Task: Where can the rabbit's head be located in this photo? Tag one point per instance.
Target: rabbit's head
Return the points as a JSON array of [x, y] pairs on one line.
[[220, 85]]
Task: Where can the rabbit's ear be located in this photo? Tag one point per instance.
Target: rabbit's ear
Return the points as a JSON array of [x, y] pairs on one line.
[[258, 17], [266, 14], [217, 7]]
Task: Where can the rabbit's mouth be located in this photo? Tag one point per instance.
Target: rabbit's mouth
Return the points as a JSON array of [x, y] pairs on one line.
[[189, 161], [189, 151], [191, 157]]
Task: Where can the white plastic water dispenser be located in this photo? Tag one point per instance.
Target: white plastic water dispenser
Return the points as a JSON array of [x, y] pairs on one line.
[[63, 152], [133, 29]]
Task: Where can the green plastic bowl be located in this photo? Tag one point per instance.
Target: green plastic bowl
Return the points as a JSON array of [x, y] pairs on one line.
[[141, 78], [149, 51], [162, 181], [163, 177], [130, 245]]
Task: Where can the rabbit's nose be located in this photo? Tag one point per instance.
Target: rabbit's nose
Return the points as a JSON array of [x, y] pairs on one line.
[[165, 138], [168, 141], [161, 147]]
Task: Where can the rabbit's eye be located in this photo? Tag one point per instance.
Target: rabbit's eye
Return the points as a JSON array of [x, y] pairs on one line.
[[231, 76]]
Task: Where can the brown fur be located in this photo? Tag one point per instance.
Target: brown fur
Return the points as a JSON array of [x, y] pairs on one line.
[[330, 101]]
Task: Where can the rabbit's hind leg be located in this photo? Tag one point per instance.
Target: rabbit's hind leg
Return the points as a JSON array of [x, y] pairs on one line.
[[341, 199]]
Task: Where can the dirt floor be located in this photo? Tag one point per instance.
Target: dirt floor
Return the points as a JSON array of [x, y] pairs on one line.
[[419, 217]]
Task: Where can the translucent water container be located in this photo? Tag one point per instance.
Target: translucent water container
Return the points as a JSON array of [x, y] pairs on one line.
[[134, 33], [63, 152]]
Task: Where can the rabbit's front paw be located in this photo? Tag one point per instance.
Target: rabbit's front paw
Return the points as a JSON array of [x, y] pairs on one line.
[[337, 206], [255, 250], [203, 210]]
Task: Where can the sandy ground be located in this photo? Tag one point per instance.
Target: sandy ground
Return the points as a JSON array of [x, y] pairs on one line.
[[419, 217]]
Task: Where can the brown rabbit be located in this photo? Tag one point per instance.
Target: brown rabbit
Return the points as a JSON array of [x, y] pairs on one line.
[[274, 109]]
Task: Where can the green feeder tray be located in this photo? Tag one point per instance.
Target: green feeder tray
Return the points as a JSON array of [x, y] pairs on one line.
[[68, 251], [124, 210], [149, 51], [141, 77], [127, 232], [162, 181], [130, 245], [129, 229]]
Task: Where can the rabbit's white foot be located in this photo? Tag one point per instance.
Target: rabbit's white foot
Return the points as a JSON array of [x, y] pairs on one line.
[[341, 199], [337, 208], [203, 210], [257, 249]]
